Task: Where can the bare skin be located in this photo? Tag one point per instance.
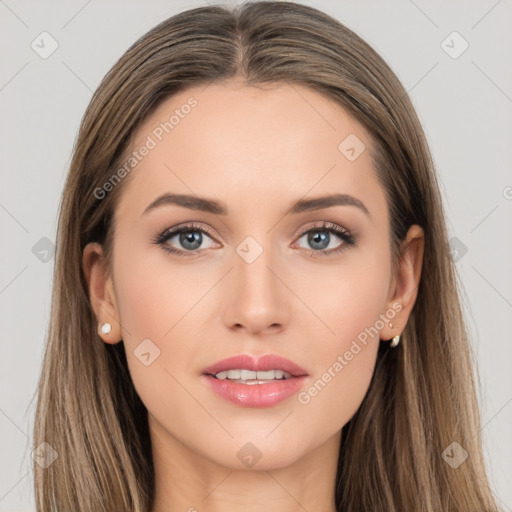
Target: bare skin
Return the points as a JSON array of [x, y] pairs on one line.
[[257, 150]]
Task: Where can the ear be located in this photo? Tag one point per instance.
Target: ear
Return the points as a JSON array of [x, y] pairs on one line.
[[404, 285], [101, 292]]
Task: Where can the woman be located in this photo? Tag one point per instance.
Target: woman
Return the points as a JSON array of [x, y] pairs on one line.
[[254, 301]]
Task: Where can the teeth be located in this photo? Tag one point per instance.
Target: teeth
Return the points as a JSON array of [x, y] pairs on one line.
[[247, 375]]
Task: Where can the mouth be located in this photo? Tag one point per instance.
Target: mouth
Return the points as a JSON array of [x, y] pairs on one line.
[[255, 382]]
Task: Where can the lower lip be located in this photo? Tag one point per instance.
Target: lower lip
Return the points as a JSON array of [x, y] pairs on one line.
[[256, 395]]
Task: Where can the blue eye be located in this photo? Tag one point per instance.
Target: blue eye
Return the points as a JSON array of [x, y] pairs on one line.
[[191, 237], [319, 237]]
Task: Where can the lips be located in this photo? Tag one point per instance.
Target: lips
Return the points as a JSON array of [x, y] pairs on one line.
[[261, 363], [268, 394]]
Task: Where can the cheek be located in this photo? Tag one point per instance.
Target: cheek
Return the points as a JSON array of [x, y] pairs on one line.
[[346, 298], [151, 301], [343, 365], [154, 292], [349, 300]]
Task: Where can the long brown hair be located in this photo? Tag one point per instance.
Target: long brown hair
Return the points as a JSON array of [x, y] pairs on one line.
[[422, 397]]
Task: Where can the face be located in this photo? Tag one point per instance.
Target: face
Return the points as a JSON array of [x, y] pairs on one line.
[[251, 274]]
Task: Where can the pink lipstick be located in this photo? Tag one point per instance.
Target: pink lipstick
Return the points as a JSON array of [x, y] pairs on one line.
[[255, 382]]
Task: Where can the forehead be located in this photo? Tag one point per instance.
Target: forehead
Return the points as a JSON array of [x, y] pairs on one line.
[[246, 144]]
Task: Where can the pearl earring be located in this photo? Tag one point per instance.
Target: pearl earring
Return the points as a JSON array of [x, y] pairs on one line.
[[395, 341], [106, 328]]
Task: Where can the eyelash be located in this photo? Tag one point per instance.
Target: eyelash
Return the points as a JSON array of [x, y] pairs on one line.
[[324, 226]]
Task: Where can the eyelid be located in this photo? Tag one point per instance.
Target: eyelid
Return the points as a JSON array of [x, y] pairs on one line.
[[187, 226], [324, 224]]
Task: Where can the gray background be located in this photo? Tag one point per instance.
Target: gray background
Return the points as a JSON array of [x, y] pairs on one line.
[[464, 103]]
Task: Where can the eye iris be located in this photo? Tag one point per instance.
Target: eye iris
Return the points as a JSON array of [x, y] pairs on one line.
[[318, 237], [191, 237]]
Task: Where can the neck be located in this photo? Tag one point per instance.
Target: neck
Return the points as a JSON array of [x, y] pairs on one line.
[[190, 482]]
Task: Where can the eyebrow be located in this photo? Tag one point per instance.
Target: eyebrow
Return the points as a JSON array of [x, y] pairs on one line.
[[212, 206]]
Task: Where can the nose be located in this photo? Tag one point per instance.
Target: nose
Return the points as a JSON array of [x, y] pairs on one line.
[[256, 298]]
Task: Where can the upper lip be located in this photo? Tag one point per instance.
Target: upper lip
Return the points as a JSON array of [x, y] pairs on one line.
[[261, 363]]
